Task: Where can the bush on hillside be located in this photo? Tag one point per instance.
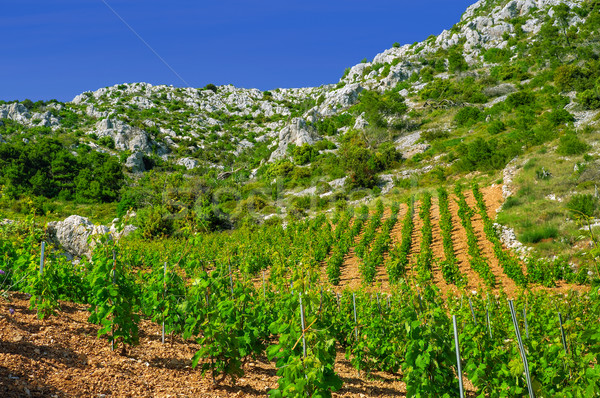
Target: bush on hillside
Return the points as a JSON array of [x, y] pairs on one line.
[[583, 205], [570, 145], [467, 116]]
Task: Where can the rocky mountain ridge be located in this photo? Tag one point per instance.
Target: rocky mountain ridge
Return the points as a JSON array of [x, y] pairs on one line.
[[214, 125]]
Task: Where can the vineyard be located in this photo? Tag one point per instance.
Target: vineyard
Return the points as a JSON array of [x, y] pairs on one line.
[[358, 303]]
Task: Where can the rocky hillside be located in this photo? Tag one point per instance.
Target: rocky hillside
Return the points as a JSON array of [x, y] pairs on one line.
[[513, 83]]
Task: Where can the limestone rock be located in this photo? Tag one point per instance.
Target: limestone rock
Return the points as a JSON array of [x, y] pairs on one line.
[[125, 136], [340, 99], [407, 145], [15, 111], [135, 162], [189, 163], [361, 122], [73, 234], [297, 133]]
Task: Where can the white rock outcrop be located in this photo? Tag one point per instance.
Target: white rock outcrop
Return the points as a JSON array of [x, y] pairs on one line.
[[76, 234], [340, 99], [125, 136], [135, 162], [73, 234], [298, 132], [189, 163]]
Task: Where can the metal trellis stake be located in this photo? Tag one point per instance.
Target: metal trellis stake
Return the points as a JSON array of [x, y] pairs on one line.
[[303, 326], [164, 295], [459, 366], [42, 258], [355, 321], [472, 312], [521, 348], [562, 333]]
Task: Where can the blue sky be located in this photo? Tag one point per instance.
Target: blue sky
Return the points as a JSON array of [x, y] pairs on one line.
[[60, 48]]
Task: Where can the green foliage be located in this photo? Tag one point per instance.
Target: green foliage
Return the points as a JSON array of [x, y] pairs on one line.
[[47, 168], [113, 298], [589, 99], [560, 116], [538, 233], [211, 87], [465, 90], [520, 99], [497, 55], [303, 154], [467, 116], [107, 141], [583, 205], [456, 60], [516, 71], [301, 375], [155, 222], [377, 106], [486, 155], [496, 127], [569, 145]]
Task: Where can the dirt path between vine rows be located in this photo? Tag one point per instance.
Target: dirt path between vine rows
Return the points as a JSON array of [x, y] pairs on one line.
[[415, 247], [487, 249], [461, 249]]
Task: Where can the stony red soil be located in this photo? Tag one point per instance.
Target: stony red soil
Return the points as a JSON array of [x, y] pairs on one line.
[[62, 356]]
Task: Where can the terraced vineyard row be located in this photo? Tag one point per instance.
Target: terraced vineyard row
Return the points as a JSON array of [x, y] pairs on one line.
[[470, 254]]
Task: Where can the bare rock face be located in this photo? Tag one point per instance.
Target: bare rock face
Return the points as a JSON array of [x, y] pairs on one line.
[[76, 234], [73, 234], [15, 111], [297, 133], [189, 163], [125, 136], [407, 145], [340, 99], [135, 162]]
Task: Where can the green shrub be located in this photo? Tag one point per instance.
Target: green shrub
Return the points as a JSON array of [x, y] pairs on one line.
[[107, 141], [467, 116], [583, 205], [520, 99], [570, 145], [155, 222], [497, 55], [456, 60], [211, 87], [303, 154], [323, 145], [433, 135], [538, 233], [510, 202], [496, 127], [560, 116], [589, 99]]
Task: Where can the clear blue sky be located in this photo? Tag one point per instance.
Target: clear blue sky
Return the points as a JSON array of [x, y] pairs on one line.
[[60, 48]]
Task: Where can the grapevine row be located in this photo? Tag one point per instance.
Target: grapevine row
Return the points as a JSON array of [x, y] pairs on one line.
[[398, 256], [478, 263], [370, 231], [345, 242], [450, 269], [374, 257], [510, 264], [425, 258]]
